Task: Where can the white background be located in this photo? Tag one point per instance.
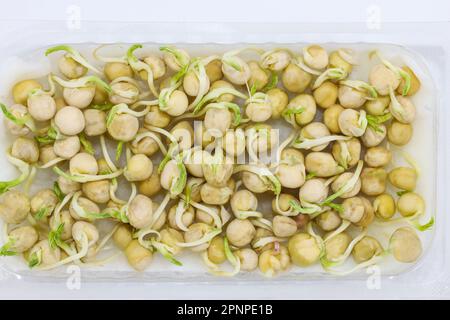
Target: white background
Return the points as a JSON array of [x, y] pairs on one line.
[[215, 11]]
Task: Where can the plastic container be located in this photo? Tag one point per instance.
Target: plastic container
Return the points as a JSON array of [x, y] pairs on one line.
[[22, 56]]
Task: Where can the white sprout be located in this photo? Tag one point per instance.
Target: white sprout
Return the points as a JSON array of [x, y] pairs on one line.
[[304, 143], [299, 62], [75, 55], [330, 74], [82, 178], [349, 185]]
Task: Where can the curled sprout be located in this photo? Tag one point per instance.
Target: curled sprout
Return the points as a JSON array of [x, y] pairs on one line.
[[299, 62], [178, 184], [153, 136], [198, 67], [166, 251], [267, 240], [112, 194], [319, 240], [139, 66], [233, 107], [82, 212], [327, 263], [122, 108], [144, 234], [181, 58], [307, 208], [50, 136], [348, 185], [23, 167], [231, 257], [191, 184], [422, 227], [130, 92], [336, 207], [271, 59], [50, 163], [290, 212], [273, 82], [75, 55], [83, 240], [264, 174], [26, 120], [60, 206], [214, 94], [170, 136], [374, 260], [359, 129], [213, 213], [179, 211], [344, 225], [413, 220], [82, 178], [242, 215], [412, 162], [348, 55], [283, 146], [361, 86], [397, 109], [112, 167], [175, 82], [145, 103], [304, 143], [330, 74], [50, 92], [293, 111], [108, 59], [83, 82], [257, 97], [262, 223], [207, 237], [171, 153], [121, 214], [231, 59], [402, 73]]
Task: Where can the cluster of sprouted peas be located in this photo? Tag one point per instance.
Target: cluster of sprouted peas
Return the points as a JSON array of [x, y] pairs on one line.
[[126, 123]]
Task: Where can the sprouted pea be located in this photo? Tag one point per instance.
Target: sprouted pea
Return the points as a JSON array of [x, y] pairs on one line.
[[235, 69], [83, 82], [398, 71], [175, 58], [276, 60], [139, 66], [20, 121], [330, 74], [75, 56], [24, 169]]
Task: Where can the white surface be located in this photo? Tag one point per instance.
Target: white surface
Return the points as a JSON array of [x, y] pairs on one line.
[[286, 11]]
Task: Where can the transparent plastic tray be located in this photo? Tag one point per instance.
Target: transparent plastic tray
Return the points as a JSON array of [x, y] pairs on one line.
[[22, 56]]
